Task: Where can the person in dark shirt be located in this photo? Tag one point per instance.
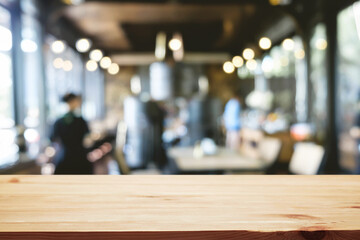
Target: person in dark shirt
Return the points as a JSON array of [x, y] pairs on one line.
[[69, 131]]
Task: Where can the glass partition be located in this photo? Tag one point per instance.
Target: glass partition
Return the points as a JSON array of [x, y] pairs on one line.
[[8, 148], [318, 81], [349, 86]]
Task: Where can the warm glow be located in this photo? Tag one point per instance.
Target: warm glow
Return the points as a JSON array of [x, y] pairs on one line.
[[83, 45], [160, 48], [228, 67], [96, 55], [175, 44], [284, 61], [238, 61], [58, 63], [299, 54], [135, 84], [288, 44], [91, 65], [113, 69], [274, 2], [251, 65], [248, 54], [58, 46], [321, 44], [105, 62], [67, 66], [265, 43]]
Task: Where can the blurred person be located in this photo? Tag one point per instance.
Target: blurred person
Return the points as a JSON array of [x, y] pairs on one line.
[[69, 131], [232, 122]]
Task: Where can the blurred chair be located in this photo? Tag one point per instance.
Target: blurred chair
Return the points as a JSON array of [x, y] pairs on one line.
[[307, 159], [119, 148], [269, 150], [250, 140], [119, 154]]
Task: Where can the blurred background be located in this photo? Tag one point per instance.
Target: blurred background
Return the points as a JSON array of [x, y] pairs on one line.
[[180, 86]]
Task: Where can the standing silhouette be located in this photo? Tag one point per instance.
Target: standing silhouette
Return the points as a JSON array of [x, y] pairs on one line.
[[69, 131]]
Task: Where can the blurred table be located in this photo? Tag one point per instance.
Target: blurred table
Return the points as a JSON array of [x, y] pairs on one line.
[[179, 207], [224, 159]]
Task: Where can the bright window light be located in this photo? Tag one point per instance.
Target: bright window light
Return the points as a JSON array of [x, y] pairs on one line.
[[5, 39], [28, 46]]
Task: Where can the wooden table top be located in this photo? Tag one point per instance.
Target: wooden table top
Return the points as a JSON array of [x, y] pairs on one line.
[[179, 207], [225, 159]]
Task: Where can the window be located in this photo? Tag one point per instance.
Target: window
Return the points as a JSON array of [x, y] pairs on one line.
[[33, 83], [349, 84], [318, 78], [8, 148], [64, 73]]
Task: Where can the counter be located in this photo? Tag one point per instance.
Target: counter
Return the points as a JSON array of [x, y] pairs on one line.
[[179, 207]]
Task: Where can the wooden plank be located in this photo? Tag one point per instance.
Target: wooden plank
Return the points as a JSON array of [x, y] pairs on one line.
[[225, 159], [179, 207]]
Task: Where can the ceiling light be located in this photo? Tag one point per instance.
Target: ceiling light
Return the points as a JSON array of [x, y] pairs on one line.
[[160, 48], [248, 54], [105, 62], [265, 43], [83, 45], [58, 46], [91, 65], [175, 44], [96, 55], [238, 61], [288, 44], [113, 69], [67, 65], [228, 67]]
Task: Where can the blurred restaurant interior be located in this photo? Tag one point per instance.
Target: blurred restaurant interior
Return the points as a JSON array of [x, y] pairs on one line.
[[180, 86]]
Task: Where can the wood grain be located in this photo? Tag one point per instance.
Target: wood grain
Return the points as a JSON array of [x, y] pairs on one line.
[[179, 207]]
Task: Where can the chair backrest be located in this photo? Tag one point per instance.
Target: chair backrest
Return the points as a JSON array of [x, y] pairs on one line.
[[119, 147], [269, 149], [306, 159]]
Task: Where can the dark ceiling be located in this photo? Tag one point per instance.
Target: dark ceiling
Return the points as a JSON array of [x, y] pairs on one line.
[[131, 26], [206, 25]]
